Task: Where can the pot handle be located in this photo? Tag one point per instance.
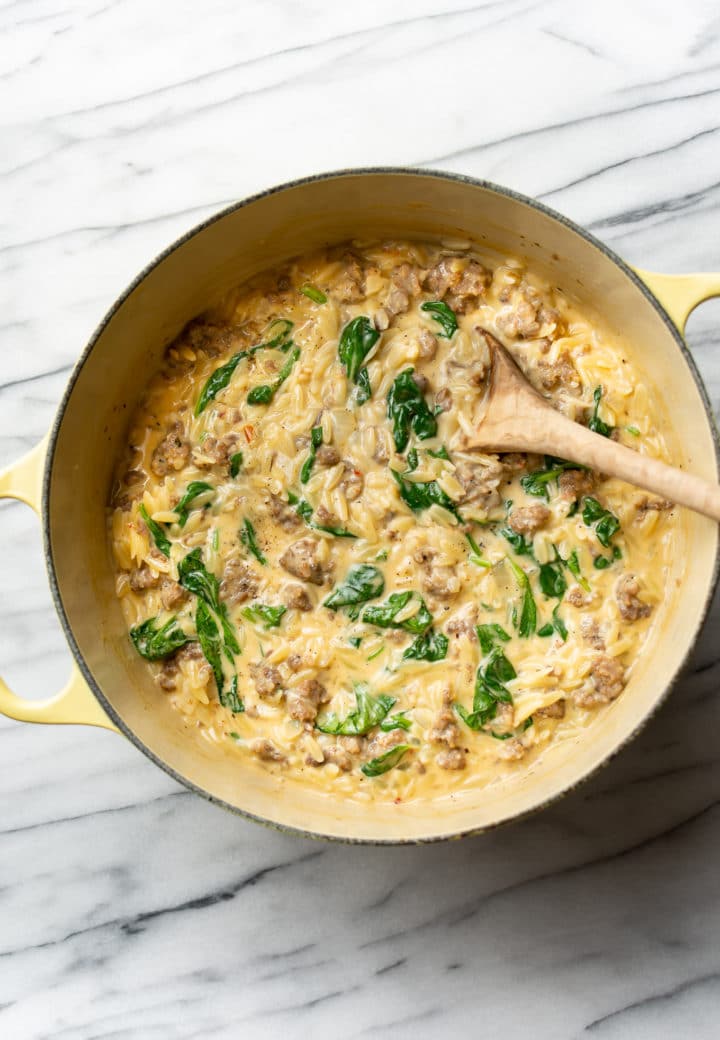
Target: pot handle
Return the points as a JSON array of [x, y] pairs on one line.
[[680, 294], [75, 703]]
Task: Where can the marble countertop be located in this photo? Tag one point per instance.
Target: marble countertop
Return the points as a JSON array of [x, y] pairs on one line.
[[129, 907]]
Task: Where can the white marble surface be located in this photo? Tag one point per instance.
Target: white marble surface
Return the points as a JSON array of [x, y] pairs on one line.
[[128, 907]]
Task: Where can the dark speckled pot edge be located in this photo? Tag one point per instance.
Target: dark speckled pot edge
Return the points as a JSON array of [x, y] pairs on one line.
[[47, 548]]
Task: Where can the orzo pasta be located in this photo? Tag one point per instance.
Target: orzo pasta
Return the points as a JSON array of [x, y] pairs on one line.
[[322, 580]]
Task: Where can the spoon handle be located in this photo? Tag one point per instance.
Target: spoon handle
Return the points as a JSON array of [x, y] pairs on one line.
[[572, 441]]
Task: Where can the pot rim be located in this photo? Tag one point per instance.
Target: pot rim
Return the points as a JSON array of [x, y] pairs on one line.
[[370, 171]]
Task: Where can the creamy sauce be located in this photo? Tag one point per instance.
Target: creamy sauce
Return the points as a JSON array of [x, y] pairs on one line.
[[542, 679]]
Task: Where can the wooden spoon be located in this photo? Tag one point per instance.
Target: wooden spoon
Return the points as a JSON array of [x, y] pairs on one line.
[[518, 418]]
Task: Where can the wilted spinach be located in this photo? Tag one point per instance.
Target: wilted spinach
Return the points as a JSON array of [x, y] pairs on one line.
[[157, 534], [408, 411], [383, 763], [430, 646], [249, 540], [369, 712], [362, 583], [154, 641], [264, 394], [384, 615], [356, 341], [443, 315]]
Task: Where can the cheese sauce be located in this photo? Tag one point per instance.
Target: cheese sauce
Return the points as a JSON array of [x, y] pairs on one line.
[[320, 578]]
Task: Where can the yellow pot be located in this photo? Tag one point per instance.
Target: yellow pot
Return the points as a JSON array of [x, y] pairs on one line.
[[67, 477]]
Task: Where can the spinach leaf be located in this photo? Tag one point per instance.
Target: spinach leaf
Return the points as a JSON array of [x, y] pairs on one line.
[[316, 439], [412, 460], [573, 565], [488, 634], [476, 556], [231, 698], [156, 532], [408, 411], [397, 721], [221, 377], [384, 615], [521, 546], [421, 496], [236, 462], [356, 341], [194, 489], [546, 630], [430, 646], [528, 613], [211, 643], [313, 293], [363, 582], [194, 576], [249, 540], [441, 453], [264, 394], [154, 641], [559, 624], [596, 424], [383, 763], [369, 712], [552, 579], [536, 483], [270, 616], [304, 511], [489, 690], [443, 315], [606, 523]]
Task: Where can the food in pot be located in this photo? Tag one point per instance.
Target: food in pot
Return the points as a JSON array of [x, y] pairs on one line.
[[326, 585]]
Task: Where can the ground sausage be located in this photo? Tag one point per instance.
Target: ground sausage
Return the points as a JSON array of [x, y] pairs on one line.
[[172, 453], [212, 452], [574, 483], [438, 580], [512, 750], [529, 519], [267, 751], [591, 633], [266, 677], [349, 288], [339, 757], [556, 710], [301, 560], [626, 594], [562, 372], [479, 481], [304, 699], [143, 578], [327, 455], [352, 483], [296, 598], [577, 597], [464, 622], [239, 581], [427, 345], [172, 594], [384, 741], [608, 682], [283, 513], [446, 729]]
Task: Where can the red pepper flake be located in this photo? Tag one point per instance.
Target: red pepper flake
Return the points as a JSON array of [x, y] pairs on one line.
[[249, 431]]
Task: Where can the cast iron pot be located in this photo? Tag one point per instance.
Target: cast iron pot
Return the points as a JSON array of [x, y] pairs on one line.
[[67, 477]]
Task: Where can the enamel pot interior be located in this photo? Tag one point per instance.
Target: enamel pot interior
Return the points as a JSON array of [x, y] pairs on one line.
[[128, 348]]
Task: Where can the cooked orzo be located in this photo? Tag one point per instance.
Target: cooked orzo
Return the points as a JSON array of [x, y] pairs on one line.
[[321, 579]]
